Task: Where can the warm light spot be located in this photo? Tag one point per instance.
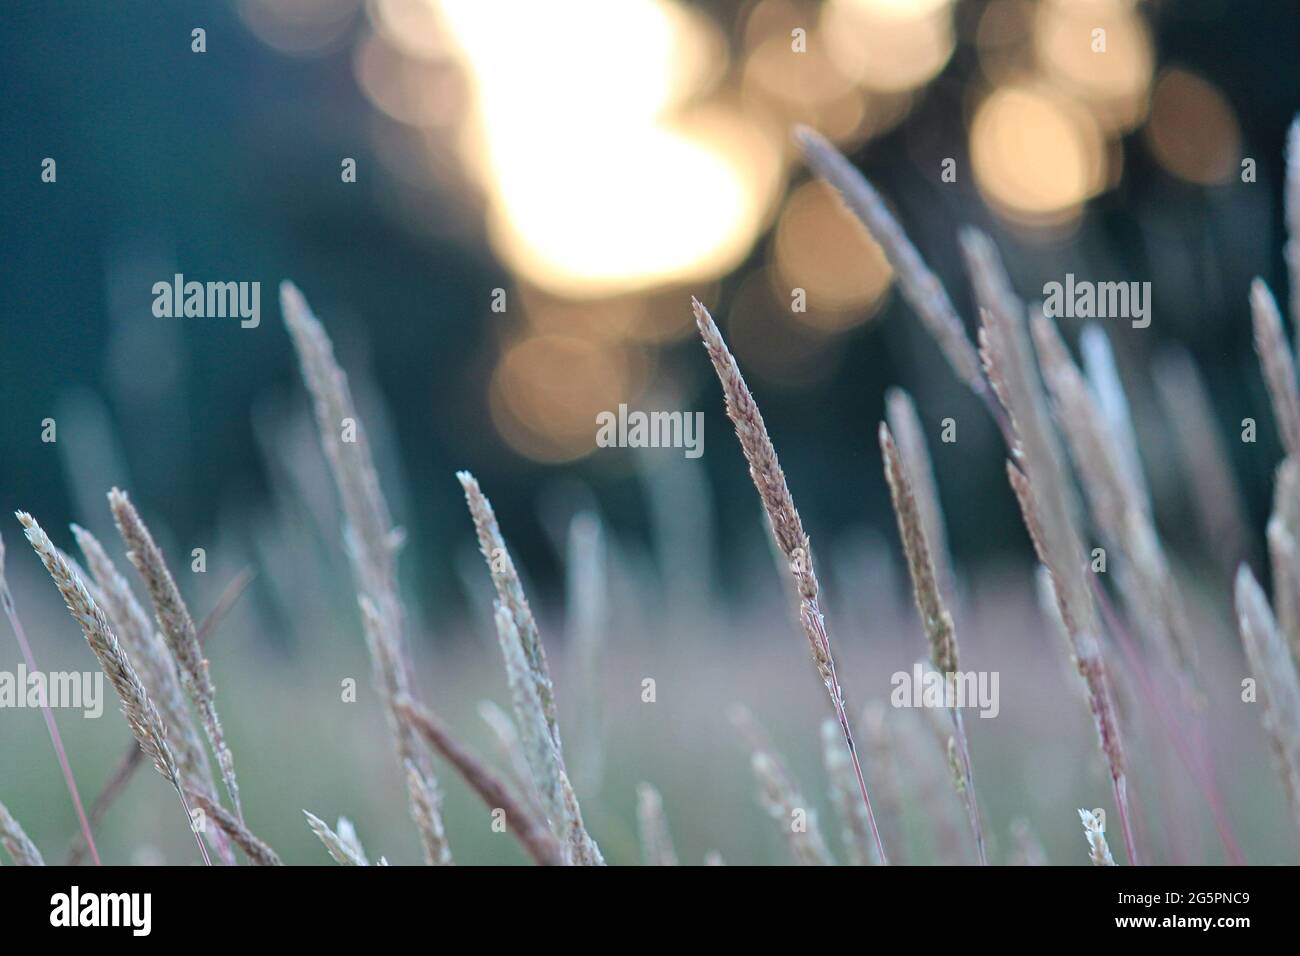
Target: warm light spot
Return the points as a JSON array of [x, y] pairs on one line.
[[769, 18], [889, 46], [651, 207], [424, 93], [1114, 82], [412, 26], [1037, 156], [299, 27], [547, 389], [898, 9], [820, 248], [596, 183], [1192, 130], [809, 88]]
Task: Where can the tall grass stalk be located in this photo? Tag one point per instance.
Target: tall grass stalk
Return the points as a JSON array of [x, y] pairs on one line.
[[935, 618], [531, 688], [14, 839], [652, 825], [787, 530], [1220, 508], [178, 629], [371, 539], [345, 852], [51, 727], [1047, 500], [533, 833], [855, 831], [1095, 831], [1275, 671], [140, 712], [1278, 364], [132, 759]]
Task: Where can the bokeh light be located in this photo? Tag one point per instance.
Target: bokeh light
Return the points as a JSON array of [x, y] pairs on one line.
[[414, 91], [805, 87], [304, 28], [595, 187], [1037, 156], [821, 249], [1193, 131], [1113, 82], [888, 45], [547, 389]]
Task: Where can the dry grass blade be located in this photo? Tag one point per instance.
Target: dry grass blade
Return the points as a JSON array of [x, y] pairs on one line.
[[51, 727], [881, 745], [421, 784], [531, 689], [545, 761], [922, 289], [347, 833], [935, 618], [535, 836], [15, 840], [1112, 403], [780, 796], [786, 526], [588, 602], [1220, 509], [1095, 831], [1284, 551], [150, 655], [905, 423], [225, 602], [178, 629], [937, 621], [1045, 494], [791, 813], [510, 749], [1275, 672], [140, 712], [1086, 651], [258, 853], [1009, 362], [656, 841], [510, 593], [345, 853], [1118, 503], [1099, 434], [1278, 364], [126, 767], [426, 798], [372, 540]]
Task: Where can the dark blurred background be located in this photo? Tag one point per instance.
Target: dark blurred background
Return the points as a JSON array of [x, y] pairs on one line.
[[600, 162]]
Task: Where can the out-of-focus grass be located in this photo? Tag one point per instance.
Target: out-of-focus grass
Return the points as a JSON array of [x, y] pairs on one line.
[[299, 746]]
